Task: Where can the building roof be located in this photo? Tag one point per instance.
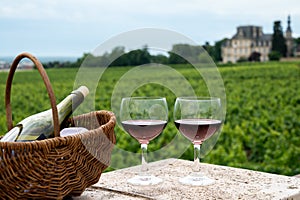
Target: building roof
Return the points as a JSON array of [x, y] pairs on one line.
[[251, 32], [265, 37]]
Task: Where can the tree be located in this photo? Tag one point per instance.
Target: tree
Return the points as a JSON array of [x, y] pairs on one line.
[[215, 51], [176, 59], [116, 57], [138, 57], [184, 53], [209, 49], [278, 40], [255, 56], [175, 55], [297, 41], [161, 59], [217, 55], [132, 58]]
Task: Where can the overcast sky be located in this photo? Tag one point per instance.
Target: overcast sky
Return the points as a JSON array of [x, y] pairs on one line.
[[72, 27]]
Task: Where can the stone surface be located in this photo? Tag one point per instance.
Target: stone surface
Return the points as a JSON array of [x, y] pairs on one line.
[[230, 183]]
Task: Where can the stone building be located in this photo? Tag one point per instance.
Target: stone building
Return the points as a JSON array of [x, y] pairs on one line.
[[251, 40]]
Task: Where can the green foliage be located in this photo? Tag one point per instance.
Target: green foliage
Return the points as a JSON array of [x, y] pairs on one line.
[[180, 54], [161, 59], [274, 56], [215, 50], [242, 59], [262, 127], [262, 118], [176, 59], [132, 58], [217, 53], [297, 40], [278, 40]]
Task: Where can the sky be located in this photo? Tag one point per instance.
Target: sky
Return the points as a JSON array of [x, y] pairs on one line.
[[74, 27]]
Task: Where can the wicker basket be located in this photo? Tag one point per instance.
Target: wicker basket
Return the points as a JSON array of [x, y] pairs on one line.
[[57, 167]]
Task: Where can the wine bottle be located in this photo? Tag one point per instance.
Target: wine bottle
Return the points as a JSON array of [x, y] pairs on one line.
[[40, 126]]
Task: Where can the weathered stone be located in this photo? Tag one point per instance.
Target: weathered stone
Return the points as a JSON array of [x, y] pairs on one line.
[[230, 183]]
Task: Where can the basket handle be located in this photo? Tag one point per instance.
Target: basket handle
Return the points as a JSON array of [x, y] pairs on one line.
[[46, 82]]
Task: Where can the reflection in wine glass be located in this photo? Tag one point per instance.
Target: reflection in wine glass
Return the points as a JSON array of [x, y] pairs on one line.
[[144, 118], [197, 118]]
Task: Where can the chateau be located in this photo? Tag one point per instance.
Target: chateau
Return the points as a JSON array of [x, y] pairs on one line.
[[250, 40]]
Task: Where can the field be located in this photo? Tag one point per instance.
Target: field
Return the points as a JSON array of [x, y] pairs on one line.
[[261, 130]]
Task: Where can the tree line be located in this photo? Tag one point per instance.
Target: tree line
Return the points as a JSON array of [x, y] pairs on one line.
[[179, 54]]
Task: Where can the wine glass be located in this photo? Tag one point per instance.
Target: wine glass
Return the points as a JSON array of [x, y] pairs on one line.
[[144, 118], [197, 118]]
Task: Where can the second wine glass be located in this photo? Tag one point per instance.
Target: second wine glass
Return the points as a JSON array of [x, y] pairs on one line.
[[144, 118], [197, 118]]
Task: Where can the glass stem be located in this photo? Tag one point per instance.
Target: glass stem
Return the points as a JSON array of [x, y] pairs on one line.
[[144, 167], [196, 166]]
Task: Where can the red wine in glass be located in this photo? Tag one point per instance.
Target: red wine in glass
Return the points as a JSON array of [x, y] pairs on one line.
[[144, 130], [197, 118], [198, 130], [144, 118]]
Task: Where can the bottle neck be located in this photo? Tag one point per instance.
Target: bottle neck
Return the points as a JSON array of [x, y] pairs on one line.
[[69, 104]]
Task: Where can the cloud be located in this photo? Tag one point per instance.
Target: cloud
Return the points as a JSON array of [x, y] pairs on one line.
[[79, 24], [116, 9]]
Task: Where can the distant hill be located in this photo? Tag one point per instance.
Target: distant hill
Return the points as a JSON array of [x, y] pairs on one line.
[[43, 59]]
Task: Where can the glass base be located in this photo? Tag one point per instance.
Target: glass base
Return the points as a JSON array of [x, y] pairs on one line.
[[144, 180], [196, 180]]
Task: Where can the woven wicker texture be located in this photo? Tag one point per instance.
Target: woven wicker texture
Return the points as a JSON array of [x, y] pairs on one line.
[[57, 167], [61, 166]]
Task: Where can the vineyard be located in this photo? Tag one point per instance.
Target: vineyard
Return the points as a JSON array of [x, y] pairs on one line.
[[261, 130]]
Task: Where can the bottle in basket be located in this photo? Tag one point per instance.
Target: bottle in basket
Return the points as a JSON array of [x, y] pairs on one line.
[[40, 125]]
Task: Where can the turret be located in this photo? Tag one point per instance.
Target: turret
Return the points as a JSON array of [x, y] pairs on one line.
[[289, 38]]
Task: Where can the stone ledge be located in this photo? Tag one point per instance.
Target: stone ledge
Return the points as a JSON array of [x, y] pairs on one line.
[[231, 183]]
